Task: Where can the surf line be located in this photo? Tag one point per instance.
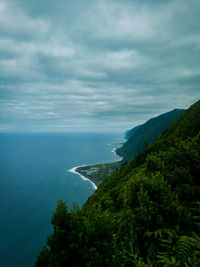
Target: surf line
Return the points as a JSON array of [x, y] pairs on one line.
[[75, 171]]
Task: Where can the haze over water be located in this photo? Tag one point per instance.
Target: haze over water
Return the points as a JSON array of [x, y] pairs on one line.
[[33, 176]]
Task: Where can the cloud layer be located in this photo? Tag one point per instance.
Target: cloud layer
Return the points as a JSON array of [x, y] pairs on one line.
[[67, 65]]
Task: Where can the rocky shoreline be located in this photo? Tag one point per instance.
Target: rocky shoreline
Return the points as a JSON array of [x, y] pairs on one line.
[[81, 171]]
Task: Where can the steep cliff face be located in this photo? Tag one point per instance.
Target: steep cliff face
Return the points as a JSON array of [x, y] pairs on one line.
[[146, 133], [131, 132]]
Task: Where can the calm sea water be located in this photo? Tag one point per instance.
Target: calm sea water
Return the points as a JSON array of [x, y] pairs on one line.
[[33, 176]]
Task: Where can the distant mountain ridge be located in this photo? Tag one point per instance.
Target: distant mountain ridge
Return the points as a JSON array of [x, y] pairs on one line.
[[146, 134]]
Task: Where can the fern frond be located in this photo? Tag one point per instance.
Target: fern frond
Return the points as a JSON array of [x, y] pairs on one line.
[[183, 248]]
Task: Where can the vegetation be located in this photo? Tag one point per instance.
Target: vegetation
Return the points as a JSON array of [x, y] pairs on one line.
[[145, 134], [131, 132], [147, 213], [139, 138], [101, 173]]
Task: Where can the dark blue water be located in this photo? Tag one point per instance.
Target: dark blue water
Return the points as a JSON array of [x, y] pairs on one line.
[[33, 176]]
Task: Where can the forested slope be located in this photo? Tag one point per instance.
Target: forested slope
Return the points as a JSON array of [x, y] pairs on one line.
[[146, 214], [131, 132], [146, 134]]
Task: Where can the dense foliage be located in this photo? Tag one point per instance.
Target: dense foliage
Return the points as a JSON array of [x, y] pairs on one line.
[[146, 134], [146, 214]]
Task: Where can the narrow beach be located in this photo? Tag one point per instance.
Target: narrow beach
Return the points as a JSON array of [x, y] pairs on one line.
[[102, 170], [78, 170]]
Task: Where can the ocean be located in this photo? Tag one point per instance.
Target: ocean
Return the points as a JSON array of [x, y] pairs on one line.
[[34, 175]]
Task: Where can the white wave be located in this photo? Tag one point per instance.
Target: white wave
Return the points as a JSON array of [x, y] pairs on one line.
[[114, 151], [73, 170]]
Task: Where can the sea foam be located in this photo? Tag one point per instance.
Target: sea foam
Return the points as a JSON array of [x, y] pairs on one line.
[[73, 170]]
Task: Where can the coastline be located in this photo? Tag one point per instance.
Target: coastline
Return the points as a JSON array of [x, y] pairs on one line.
[[87, 176], [114, 150], [101, 168], [84, 176]]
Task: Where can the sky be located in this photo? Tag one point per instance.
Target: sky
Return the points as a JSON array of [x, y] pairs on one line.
[[90, 65]]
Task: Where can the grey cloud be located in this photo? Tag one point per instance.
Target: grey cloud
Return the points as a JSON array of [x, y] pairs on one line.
[[96, 63]]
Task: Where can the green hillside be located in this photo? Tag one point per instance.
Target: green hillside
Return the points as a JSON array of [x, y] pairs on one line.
[[146, 134], [131, 132], [145, 214]]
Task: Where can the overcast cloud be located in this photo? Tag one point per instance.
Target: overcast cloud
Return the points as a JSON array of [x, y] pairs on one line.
[[82, 65]]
